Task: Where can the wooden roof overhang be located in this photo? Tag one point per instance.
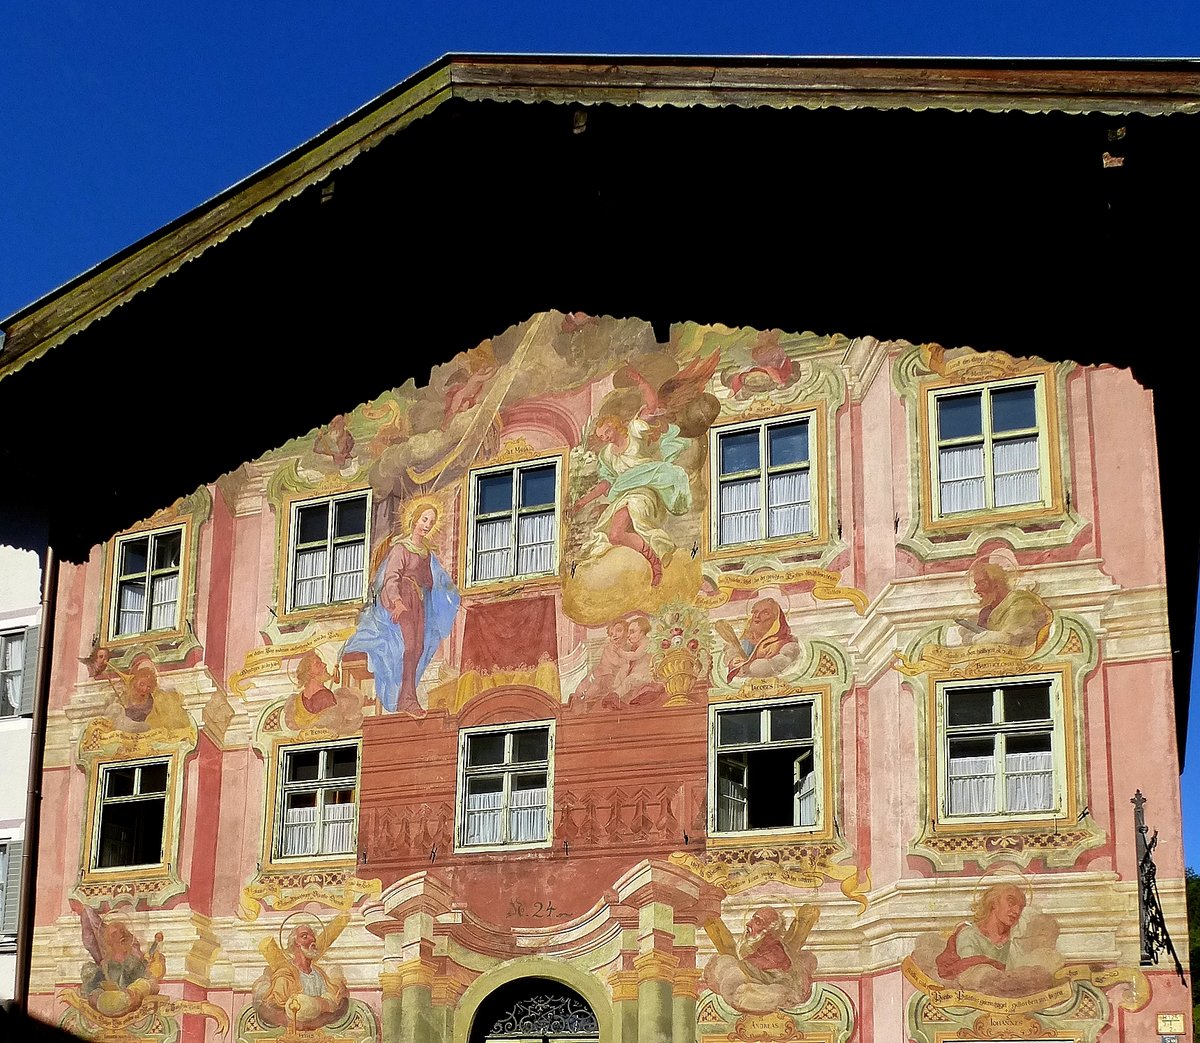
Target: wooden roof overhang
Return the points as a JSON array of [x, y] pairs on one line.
[[1037, 207]]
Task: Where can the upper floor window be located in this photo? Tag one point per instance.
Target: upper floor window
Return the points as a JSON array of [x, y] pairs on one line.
[[318, 800], [1000, 748], [990, 446], [131, 814], [328, 551], [504, 783], [513, 522], [764, 481], [146, 582], [12, 670], [766, 766]]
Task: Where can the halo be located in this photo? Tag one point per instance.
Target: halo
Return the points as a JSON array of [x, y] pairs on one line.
[[1014, 876], [291, 916], [415, 507]]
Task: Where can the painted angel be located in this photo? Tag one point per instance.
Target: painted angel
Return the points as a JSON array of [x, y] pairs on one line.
[[636, 464]]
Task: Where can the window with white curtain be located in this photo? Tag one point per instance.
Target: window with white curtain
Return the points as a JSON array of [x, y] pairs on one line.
[[146, 582], [514, 522], [328, 551], [765, 770], [764, 481], [131, 813], [989, 447], [12, 670], [504, 785], [999, 747], [318, 801]]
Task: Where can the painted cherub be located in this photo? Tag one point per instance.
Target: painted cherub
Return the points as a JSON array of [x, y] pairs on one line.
[[610, 668]]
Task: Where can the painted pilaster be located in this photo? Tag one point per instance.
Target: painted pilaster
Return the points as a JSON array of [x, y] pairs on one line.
[[389, 984], [684, 992], [656, 975], [624, 985]]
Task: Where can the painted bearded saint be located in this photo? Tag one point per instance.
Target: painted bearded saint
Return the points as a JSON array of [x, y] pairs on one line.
[[296, 990], [769, 970]]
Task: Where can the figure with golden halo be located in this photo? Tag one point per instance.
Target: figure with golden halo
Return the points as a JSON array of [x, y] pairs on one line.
[[411, 611], [298, 989]]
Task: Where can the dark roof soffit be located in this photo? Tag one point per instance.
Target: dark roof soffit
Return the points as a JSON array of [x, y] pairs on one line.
[[1117, 87]]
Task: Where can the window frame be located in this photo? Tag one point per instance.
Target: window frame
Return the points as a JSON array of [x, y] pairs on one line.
[[508, 769], [471, 494], [182, 572], [1063, 803], [283, 788], [1045, 430], [811, 414], [817, 743], [7, 710], [102, 801], [293, 547]]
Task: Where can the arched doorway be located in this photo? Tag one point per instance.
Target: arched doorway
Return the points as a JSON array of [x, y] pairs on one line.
[[535, 1010]]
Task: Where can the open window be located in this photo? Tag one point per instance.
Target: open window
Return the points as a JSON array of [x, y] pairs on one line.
[[130, 815], [766, 769]]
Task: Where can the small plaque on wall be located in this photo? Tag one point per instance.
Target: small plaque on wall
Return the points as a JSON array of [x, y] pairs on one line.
[[1169, 1023]]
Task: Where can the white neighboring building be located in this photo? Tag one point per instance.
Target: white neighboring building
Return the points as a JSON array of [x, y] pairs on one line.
[[20, 609]]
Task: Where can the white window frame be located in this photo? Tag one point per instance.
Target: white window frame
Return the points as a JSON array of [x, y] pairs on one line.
[[319, 786], [808, 417], [508, 769], [7, 638], [152, 536], [1058, 740], [103, 801], [987, 439], [514, 512], [715, 749], [330, 542]]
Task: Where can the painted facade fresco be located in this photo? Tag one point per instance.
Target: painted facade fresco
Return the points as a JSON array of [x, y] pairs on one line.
[[748, 686]]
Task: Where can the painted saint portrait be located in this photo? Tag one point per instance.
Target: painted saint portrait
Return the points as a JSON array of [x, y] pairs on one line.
[[139, 704], [121, 973], [315, 704], [769, 969], [299, 989], [765, 647], [1009, 614], [411, 611], [1003, 950]]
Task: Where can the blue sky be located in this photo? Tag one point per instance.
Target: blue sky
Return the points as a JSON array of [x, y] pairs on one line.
[[117, 117]]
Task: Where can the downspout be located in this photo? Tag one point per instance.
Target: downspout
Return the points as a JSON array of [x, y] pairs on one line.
[[33, 804]]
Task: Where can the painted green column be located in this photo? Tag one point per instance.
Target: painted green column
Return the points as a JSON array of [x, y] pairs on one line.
[[624, 986], [656, 1015], [684, 992], [389, 982]]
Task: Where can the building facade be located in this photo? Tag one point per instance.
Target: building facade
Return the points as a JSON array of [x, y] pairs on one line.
[[749, 685], [20, 612]]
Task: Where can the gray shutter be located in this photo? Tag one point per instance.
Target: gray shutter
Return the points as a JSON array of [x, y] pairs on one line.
[[12, 889], [29, 673]]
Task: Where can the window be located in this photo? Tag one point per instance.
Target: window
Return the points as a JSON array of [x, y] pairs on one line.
[[132, 803], [504, 782], [989, 447], [766, 766], [514, 522], [764, 481], [329, 551], [146, 582], [318, 801], [12, 669], [1000, 743]]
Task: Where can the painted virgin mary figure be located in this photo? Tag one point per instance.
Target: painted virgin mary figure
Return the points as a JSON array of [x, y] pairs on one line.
[[411, 613]]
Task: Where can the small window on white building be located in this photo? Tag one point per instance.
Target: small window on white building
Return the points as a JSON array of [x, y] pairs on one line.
[[12, 672], [318, 800], [505, 785], [766, 766]]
